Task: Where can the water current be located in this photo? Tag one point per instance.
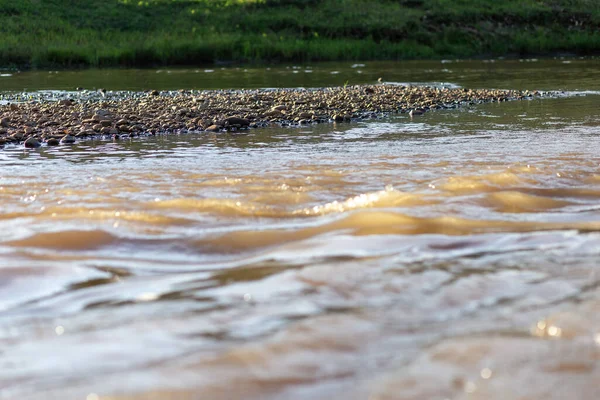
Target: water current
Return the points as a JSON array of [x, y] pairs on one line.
[[449, 256]]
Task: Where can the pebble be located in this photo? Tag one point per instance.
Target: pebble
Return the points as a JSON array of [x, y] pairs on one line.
[[153, 112]]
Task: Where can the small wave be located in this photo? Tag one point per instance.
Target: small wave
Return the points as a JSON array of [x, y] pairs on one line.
[[481, 184], [67, 240], [230, 207], [514, 201]]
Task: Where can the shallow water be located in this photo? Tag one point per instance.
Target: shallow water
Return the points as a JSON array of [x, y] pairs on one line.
[[559, 73], [449, 256]]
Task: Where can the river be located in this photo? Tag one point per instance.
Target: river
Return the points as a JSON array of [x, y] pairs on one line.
[[448, 256]]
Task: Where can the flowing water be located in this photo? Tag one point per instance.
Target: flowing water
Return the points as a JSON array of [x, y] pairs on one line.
[[451, 256]]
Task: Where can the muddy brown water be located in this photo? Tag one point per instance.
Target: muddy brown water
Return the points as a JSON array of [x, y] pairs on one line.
[[451, 256]]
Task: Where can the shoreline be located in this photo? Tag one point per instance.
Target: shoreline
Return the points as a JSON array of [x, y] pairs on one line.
[[76, 116]]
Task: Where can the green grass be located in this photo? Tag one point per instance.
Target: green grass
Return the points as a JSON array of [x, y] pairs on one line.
[[63, 33]]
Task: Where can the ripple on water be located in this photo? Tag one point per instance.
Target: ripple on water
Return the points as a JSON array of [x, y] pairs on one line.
[[447, 257]]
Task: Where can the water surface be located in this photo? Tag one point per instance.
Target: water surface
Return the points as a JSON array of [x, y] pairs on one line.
[[540, 74], [448, 256]]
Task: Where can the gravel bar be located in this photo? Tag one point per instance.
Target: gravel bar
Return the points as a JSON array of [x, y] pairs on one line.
[[53, 118]]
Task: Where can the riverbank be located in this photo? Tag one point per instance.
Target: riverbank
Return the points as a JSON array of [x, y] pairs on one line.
[[114, 115], [130, 33]]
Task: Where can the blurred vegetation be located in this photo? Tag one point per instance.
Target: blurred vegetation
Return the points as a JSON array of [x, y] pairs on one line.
[[63, 33]]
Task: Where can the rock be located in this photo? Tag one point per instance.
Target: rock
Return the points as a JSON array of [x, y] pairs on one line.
[[113, 131], [106, 130], [13, 107], [105, 122], [273, 113], [154, 93], [102, 112], [122, 122], [68, 139], [338, 118], [2, 141], [236, 121], [416, 111], [32, 143], [280, 108], [4, 122], [97, 127], [52, 142], [204, 123], [214, 128], [28, 130], [66, 102], [18, 136]]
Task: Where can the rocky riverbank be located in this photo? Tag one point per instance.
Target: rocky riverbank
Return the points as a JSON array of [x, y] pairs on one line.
[[53, 119]]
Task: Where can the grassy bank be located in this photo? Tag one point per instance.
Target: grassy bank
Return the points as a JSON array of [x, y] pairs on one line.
[[62, 33]]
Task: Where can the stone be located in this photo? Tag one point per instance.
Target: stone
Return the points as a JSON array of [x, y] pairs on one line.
[[32, 143], [273, 113], [213, 128], [236, 121], [154, 93], [102, 112], [66, 102], [68, 139], [28, 130], [52, 142], [5, 122], [105, 122]]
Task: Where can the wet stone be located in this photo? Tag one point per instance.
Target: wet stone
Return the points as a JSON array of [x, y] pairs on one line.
[[174, 112], [213, 128], [237, 121], [68, 139], [32, 143]]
